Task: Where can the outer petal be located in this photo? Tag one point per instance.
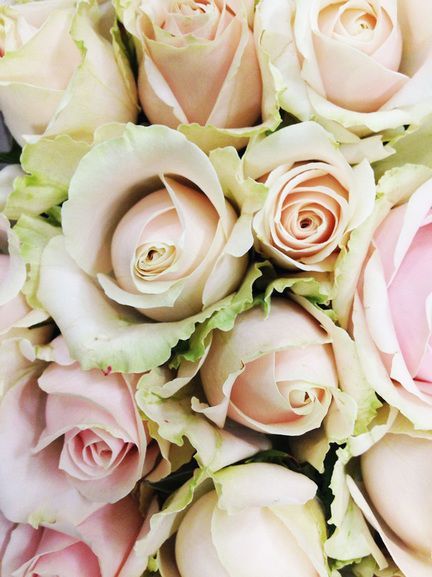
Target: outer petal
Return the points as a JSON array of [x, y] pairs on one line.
[[99, 333]]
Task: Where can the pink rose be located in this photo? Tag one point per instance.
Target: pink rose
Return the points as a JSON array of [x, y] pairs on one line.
[[393, 312], [180, 44], [75, 438], [275, 375], [101, 546]]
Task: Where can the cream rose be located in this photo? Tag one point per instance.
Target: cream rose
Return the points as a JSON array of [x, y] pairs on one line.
[[392, 312], [362, 64], [75, 437], [179, 44], [398, 469], [155, 229], [274, 374], [53, 55], [256, 519], [43, 551], [314, 199]]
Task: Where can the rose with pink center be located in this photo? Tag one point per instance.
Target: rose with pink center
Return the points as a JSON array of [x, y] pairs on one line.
[[76, 437]]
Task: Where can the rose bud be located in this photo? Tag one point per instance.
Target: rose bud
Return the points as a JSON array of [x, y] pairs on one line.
[[262, 519], [363, 65], [55, 54], [179, 44], [391, 318], [163, 227], [276, 375], [315, 198], [398, 470], [75, 437], [85, 552]]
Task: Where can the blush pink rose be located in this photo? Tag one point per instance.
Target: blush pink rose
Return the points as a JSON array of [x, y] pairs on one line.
[[182, 43], [75, 438], [393, 312], [276, 375], [102, 546]]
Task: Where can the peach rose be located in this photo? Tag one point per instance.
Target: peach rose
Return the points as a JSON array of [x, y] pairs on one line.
[[181, 43], [54, 54], [314, 200], [275, 375], [253, 519], [393, 310], [362, 64], [87, 552], [75, 437]]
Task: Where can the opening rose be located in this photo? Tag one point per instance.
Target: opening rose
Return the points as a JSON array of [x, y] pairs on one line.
[[362, 64], [43, 551], [275, 375], [392, 314], [158, 224], [54, 53], [314, 196], [75, 437], [261, 519], [179, 44]]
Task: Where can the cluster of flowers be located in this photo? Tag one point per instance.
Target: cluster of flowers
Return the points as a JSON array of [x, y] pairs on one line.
[[216, 288]]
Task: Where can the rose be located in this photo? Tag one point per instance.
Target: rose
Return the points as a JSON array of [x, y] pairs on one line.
[[391, 465], [180, 43], [53, 56], [262, 519], [398, 469], [276, 375], [314, 197], [75, 436], [159, 221], [361, 64], [28, 551], [391, 317]]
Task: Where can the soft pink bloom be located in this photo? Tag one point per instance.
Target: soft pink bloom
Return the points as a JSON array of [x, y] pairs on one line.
[[70, 441], [101, 545], [274, 375], [392, 317]]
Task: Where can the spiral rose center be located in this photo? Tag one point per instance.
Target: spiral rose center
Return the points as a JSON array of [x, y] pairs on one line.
[[91, 454], [153, 258]]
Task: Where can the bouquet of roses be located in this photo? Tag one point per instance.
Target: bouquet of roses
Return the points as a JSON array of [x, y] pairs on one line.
[[216, 288]]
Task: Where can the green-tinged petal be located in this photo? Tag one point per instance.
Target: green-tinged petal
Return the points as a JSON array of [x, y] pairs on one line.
[[352, 538], [244, 192], [50, 163], [15, 275], [34, 234], [98, 332], [412, 147], [215, 448], [396, 186], [224, 319], [7, 177]]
